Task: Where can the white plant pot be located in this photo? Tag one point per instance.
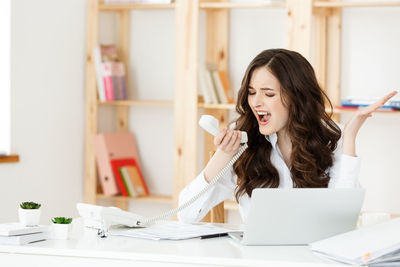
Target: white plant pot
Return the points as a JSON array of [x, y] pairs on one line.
[[29, 217], [61, 231]]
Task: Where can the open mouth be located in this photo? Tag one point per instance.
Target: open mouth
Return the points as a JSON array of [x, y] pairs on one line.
[[263, 117]]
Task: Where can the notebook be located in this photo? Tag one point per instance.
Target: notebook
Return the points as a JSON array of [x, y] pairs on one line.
[[23, 239], [10, 229]]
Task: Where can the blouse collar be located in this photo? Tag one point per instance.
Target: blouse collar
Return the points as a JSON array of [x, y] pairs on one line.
[[272, 138]]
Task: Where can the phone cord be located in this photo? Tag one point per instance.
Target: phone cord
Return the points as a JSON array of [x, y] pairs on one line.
[[205, 189]]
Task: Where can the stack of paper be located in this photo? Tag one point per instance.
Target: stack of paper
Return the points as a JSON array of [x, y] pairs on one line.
[[16, 234], [172, 231], [374, 245]]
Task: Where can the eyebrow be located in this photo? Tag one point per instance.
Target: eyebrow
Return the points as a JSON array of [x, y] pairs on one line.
[[263, 88]]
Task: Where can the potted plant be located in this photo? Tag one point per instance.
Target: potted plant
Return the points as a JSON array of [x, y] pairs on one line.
[[61, 227], [29, 213]]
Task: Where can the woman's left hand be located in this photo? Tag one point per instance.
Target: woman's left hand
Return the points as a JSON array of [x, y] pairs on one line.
[[354, 124]]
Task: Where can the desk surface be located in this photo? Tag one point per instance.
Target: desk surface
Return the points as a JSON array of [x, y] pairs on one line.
[[85, 246]]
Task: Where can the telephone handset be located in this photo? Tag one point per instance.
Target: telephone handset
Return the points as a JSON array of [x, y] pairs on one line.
[[104, 217], [211, 125]]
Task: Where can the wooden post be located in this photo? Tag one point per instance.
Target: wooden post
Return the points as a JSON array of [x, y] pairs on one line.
[[123, 111], [217, 50], [185, 94], [298, 31], [333, 68], [320, 47], [91, 101]]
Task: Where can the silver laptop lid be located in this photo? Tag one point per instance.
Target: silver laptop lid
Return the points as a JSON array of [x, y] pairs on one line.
[[300, 216]]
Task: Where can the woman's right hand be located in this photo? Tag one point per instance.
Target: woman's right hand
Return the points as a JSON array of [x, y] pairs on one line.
[[228, 141]]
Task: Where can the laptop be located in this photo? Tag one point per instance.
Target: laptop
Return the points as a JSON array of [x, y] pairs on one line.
[[299, 216]]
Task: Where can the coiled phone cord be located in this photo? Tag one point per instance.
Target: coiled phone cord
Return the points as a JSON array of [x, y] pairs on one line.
[[205, 189]]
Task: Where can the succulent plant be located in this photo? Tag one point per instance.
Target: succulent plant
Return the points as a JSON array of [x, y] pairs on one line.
[[30, 205], [61, 220]]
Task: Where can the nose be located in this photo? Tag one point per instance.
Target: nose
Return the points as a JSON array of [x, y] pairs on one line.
[[257, 100]]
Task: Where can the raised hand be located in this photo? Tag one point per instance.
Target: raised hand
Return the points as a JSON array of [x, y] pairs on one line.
[[354, 124]]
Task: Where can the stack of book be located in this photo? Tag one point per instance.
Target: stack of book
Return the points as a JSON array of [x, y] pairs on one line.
[[17, 234], [118, 165], [110, 74], [355, 102], [214, 85]]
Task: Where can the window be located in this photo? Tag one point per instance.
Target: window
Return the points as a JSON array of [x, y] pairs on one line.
[[5, 81]]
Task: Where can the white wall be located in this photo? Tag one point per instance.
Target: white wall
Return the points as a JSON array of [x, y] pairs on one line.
[[48, 54], [47, 107]]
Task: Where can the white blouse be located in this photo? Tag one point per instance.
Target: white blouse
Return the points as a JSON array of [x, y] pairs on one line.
[[343, 174]]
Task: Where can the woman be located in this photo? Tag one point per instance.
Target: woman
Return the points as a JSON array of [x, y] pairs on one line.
[[292, 141]]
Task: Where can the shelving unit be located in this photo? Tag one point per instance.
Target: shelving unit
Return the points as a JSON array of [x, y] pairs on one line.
[[323, 18], [94, 7]]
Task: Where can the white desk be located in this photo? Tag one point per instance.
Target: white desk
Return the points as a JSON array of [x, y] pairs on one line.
[[86, 249]]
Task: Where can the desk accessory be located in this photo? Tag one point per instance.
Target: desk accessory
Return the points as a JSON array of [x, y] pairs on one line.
[[29, 213], [61, 227]]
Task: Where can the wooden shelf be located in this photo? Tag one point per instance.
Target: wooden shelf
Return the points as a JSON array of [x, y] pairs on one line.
[[215, 5], [9, 159], [356, 4], [137, 103], [151, 198], [216, 106], [104, 7], [231, 205], [336, 110]]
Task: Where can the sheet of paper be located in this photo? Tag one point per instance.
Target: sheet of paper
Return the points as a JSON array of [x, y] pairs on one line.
[[171, 230]]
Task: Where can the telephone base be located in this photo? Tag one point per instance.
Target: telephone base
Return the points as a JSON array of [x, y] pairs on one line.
[[102, 218]]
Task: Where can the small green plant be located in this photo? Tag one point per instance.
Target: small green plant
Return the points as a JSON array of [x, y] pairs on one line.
[[61, 220], [29, 205]]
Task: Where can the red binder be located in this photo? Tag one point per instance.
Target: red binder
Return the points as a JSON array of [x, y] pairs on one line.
[[116, 164]]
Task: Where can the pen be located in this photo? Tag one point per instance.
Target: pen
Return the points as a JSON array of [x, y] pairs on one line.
[[213, 235]]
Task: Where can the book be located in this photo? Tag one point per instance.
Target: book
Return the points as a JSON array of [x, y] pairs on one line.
[[119, 80], [210, 68], [11, 229], [219, 87], [107, 79], [24, 239], [116, 164], [223, 75], [109, 53], [99, 73], [128, 182], [134, 174], [376, 244], [203, 85]]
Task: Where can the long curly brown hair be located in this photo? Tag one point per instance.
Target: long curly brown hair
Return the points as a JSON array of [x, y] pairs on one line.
[[313, 133]]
